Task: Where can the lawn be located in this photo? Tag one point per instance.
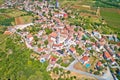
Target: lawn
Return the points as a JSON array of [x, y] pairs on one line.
[[112, 17]]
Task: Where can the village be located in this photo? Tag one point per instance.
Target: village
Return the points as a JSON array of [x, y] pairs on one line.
[[67, 46]]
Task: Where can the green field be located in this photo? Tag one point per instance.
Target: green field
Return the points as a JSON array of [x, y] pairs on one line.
[[112, 17]]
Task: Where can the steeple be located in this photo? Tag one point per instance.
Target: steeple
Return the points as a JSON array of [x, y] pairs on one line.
[[57, 4]]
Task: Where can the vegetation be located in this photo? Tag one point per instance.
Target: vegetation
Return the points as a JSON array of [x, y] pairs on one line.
[[7, 16], [112, 17], [107, 3], [15, 62], [48, 31]]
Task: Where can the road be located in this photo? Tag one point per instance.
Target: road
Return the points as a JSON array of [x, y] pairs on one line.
[[71, 68]]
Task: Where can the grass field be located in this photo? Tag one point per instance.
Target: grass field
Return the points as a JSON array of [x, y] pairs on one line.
[[111, 16]]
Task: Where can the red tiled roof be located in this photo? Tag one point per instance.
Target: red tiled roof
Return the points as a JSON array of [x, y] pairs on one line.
[[58, 45], [112, 60], [7, 32], [53, 34], [29, 36], [53, 58], [40, 49], [72, 49], [118, 43], [118, 54], [85, 58], [107, 54], [99, 64], [65, 15]]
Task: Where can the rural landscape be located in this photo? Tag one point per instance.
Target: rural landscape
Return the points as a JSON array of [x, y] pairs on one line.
[[59, 39]]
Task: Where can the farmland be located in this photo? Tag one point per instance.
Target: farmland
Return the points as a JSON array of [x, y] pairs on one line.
[[10, 17], [112, 17]]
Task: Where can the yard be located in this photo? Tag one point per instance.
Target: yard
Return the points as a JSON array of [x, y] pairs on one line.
[[92, 62], [65, 61]]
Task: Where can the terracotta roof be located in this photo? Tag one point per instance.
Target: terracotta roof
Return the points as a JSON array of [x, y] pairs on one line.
[[99, 64], [118, 43], [40, 49], [107, 55], [7, 32], [53, 34], [118, 54], [29, 36], [85, 58], [53, 58], [112, 60], [72, 49], [58, 45], [65, 15]]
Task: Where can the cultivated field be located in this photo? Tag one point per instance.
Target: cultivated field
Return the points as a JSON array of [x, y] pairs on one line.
[[111, 16]]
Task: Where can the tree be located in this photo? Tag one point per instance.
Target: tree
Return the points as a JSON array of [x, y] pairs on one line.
[[48, 31], [36, 38], [46, 42]]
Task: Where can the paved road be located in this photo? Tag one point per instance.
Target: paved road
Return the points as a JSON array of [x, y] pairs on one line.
[[70, 68]]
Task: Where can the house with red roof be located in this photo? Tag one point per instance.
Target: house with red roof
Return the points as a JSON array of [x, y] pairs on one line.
[[53, 35], [107, 55], [58, 46], [112, 61], [99, 64], [118, 55], [40, 49], [29, 37], [72, 50], [8, 33], [84, 60]]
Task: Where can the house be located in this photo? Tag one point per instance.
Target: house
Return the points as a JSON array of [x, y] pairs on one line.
[[112, 61], [58, 46], [8, 33], [65, 15], [53, 34], [99, 64], [107, 55], [118, 55], [97, 34], [84, 60], [40, 49], [29, 37], [72, 50]]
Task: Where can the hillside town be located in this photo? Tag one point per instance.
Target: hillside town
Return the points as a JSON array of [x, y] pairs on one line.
[[63, 45]]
